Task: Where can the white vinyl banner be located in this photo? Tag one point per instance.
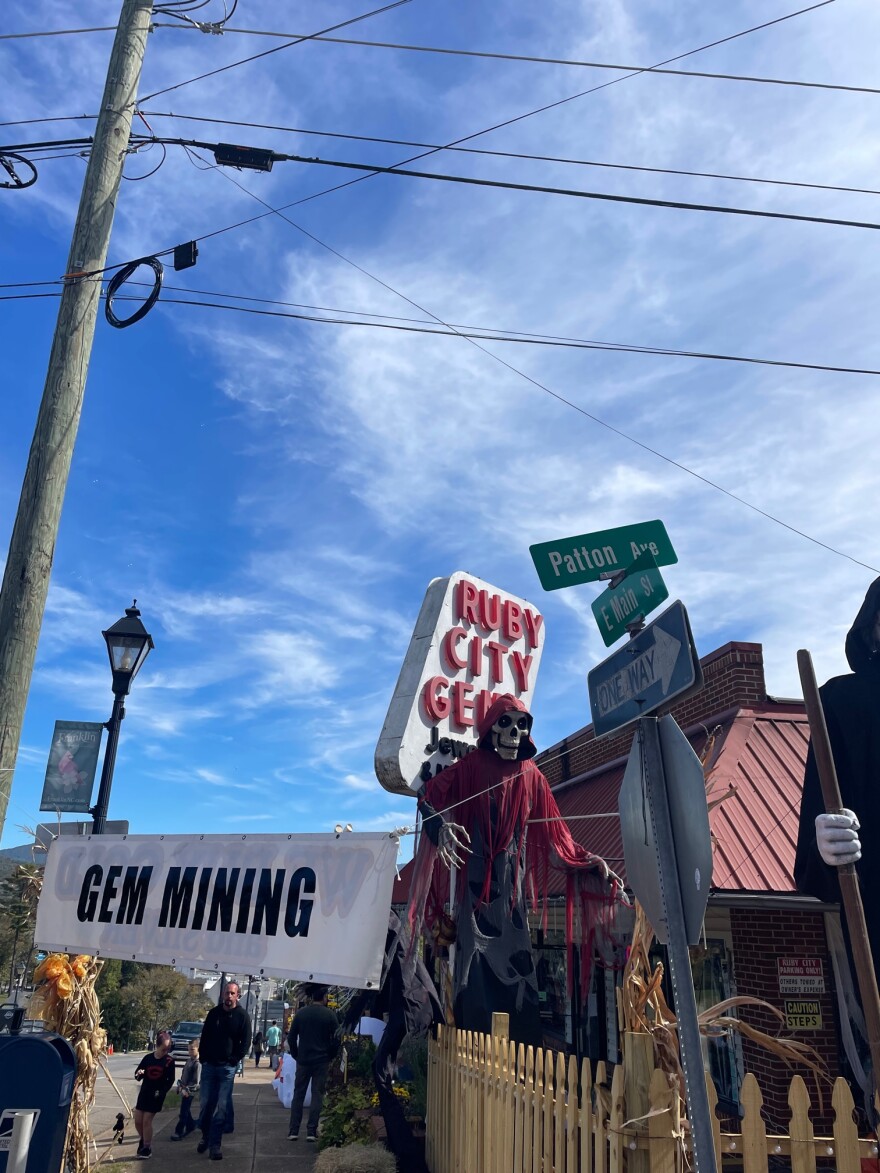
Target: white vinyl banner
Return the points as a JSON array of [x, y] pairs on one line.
[[312, 907]]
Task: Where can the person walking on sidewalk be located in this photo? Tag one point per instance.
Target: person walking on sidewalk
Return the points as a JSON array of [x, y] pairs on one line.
[[188, 1085], [155, 1073], [313, 1042], [273, 1042], [258, 1047], [226, 1039]]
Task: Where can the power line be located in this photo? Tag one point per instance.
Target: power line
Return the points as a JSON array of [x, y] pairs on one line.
[[511, 121], [457, 329], [516, 154], [771, 81], [554, 394], [506, 185], [107, 28], [54, 118], [484, 55], [278, 48]]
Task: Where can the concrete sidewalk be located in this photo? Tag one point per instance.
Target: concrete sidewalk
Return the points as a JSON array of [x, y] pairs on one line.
[[258, 1145]]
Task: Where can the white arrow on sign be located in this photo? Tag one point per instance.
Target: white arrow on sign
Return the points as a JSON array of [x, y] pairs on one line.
[[653, 665]]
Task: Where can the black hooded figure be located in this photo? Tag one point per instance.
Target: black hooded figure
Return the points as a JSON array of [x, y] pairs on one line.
[[852, 713], [852, 836]]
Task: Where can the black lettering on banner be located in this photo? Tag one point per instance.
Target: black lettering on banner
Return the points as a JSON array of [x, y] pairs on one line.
[[299, 911], [244, 900], [135, 888], [177, 897], [110, 890], [88, 893], [223, 899], [268, 902], [202, 898]]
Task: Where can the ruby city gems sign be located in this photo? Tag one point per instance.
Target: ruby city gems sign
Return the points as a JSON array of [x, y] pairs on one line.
[[471, 643]]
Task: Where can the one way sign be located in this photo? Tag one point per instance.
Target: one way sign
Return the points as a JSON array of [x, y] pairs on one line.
[[659, 664]]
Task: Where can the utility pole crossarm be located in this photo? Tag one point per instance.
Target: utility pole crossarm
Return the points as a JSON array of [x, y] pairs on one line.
[[35, 531]]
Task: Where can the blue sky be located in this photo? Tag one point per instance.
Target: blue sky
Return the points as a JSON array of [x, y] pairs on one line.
[[278, 493]]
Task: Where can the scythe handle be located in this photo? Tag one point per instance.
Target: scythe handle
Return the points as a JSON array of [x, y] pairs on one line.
[[847, 875]]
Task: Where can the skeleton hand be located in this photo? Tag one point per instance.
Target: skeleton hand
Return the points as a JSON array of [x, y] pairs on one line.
[[837, 838], [453, 839]]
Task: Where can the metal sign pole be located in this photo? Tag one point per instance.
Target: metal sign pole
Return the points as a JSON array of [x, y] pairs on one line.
[[677, 947]]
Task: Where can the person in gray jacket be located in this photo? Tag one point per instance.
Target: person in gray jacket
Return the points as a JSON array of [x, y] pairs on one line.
[[188, 1085]]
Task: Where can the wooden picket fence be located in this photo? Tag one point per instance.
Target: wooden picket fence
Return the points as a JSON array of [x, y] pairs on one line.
[[495, 1107]]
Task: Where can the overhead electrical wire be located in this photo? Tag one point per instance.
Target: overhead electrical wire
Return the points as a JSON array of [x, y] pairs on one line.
[[515, 119], [520, 57], [278, 48], [398, 142], [139, 143], [477, 344], [484, 55], [485, 333]]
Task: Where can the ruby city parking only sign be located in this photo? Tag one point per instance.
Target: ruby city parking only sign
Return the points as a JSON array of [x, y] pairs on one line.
[[590, 557], [658, 664], [640, 592]]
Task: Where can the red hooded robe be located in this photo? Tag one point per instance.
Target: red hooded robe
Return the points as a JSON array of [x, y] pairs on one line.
[[517, 834]]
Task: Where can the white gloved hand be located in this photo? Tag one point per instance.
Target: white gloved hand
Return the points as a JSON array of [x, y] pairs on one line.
[[837, 837], [453, 839]]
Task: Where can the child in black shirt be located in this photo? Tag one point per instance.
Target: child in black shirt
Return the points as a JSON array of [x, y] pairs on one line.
[[156, 1074]]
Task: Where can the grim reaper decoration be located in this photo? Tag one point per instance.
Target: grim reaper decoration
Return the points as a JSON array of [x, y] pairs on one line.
[[496, 805]]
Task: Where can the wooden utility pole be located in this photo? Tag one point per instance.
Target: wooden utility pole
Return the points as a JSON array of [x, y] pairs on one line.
[[32, 545]]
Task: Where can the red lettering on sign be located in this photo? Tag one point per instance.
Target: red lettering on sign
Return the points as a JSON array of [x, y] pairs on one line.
[[520, 665], [511, 620], [485, 701], [450, 651], [466, 598], [496, 660], [475, 655], [534, 622], [462, 706], [490, 610], [436, 705]]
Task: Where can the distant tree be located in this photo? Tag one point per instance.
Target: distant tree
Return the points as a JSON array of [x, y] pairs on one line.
[[19, 892], [156, 997]]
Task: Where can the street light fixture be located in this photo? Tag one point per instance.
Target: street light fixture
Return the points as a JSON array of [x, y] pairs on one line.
[[128, 645]]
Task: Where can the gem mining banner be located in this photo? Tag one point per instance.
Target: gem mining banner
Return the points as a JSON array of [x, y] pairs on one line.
[[312, 907]]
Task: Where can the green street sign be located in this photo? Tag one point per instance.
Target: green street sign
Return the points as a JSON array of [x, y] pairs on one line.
[[635, 596], [590, 557]]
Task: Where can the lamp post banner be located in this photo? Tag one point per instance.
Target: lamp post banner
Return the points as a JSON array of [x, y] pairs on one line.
[[70, 771], [311, 907]]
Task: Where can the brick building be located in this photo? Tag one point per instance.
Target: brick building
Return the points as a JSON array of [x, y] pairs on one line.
[[762, 938]]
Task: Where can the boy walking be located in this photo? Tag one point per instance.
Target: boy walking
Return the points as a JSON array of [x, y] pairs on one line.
[[188, 1085]]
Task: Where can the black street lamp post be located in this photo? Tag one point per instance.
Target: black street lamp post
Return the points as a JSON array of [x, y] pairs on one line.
[[128, 645]]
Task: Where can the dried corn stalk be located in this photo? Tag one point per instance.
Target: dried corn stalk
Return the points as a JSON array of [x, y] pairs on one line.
[[66, 1001]]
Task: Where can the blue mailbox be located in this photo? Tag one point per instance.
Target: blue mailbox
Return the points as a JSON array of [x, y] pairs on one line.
[[37, 1072]]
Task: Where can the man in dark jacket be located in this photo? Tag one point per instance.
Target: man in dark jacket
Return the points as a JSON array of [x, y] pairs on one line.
[[313, 1042], [226, 1039]]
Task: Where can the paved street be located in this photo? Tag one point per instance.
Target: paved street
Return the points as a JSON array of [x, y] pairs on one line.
[[258, 1145]]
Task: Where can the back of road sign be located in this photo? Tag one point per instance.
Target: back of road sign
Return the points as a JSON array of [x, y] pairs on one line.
[[689, 816]]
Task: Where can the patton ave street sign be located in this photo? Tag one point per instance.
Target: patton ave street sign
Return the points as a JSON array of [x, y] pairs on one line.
[[590, 557], [640, 592], [660, 663]]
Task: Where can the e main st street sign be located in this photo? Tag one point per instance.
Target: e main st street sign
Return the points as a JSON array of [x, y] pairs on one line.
[[591, 557], [639, 592]]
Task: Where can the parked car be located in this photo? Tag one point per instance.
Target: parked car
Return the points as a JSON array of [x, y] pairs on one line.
[[182, 1035]]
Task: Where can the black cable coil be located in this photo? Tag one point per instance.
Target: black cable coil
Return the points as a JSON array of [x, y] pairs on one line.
[[119, 278]]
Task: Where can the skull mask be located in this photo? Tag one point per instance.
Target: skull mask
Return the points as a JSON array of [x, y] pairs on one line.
[[508, 733]]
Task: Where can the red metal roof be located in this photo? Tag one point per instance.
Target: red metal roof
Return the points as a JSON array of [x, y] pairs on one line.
[[758, 760]]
